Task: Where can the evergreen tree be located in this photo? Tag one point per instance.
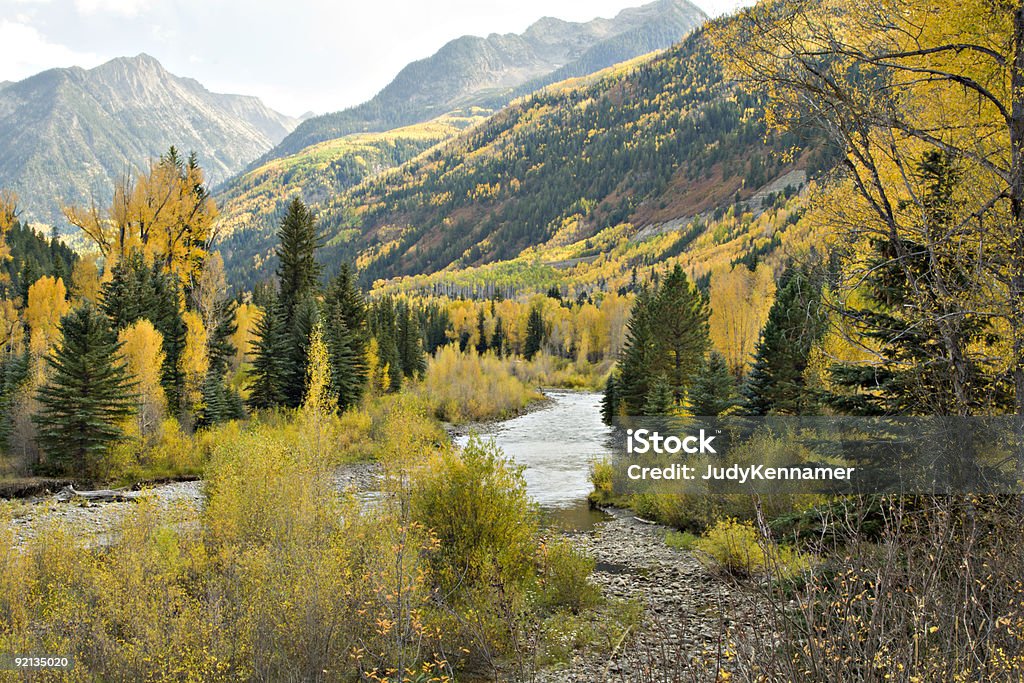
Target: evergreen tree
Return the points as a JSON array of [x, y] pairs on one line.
[[636, 359], [534, 333], [498, 339], [87, 396], [610, 400], [680, 322], [481, 333], [776, 383], [385, 329], [298, 275], [13, 374], [714, 388], [346, 337], [660, 399], [268, 365], [139, 291], [935, 353], [410, 342]]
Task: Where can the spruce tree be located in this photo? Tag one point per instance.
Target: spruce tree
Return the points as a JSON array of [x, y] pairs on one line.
[[637, 358], [610, 400], [660, 400], [714, 389], [87, 397], [534, 333], [14, 371], [410, 342], [481, 333], [385, 329], [776, 384], [680, 322], [346, 336], [268, 366], [498, 338], [298, 276]]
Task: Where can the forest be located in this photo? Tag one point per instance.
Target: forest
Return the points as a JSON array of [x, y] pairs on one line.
[[801, 210]]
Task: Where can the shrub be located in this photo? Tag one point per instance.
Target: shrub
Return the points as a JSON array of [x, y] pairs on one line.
[[738, 549], [564, 578], [465, 386]]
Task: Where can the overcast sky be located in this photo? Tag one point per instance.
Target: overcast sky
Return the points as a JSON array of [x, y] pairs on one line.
[[298, 55]]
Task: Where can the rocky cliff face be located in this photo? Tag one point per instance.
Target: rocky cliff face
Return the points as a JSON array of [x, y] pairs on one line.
[[67, 134]]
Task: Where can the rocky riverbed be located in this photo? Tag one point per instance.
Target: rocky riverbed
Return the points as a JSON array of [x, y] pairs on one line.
[[688, 612]]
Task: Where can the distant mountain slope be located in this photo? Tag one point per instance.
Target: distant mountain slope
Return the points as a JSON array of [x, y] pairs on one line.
[[254, 202], [654, 144], [67, 134], [490, 71]]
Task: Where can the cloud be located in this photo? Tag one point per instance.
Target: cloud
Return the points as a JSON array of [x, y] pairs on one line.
[[24, 51], [127, 8]]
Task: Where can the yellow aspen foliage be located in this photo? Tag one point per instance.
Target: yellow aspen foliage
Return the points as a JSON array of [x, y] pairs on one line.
[[8, 212], [142, 352], [12, 332], [210, 289], [247, 316], [380, 380], [85, 279], [194, 361], [740, 301], [166, 214], [47, 304], [318, 375]]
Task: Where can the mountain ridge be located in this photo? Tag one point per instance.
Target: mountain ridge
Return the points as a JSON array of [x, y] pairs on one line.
[[69, 133], [472, 70]]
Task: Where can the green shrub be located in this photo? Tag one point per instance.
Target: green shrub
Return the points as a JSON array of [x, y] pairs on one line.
[[564, 578], [680, 540]]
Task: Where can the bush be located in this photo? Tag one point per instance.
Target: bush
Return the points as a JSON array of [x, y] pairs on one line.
[[464, 386], [564, 578], [475, 502], [738, 549]]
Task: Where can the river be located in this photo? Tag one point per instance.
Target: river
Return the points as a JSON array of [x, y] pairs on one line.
[[556, 446]]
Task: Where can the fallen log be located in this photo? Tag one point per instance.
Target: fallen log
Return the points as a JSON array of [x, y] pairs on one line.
[[69, 493]]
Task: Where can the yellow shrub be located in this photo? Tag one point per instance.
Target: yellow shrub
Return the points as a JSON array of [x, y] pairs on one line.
[[737, 548], [462, 387]]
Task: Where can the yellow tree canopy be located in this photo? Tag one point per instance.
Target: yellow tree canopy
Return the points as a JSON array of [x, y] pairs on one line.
[[142, 351], [8, 204], [166, 214], [47, 304]]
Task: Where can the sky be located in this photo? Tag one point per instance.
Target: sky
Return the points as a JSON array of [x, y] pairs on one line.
[[297, 55]]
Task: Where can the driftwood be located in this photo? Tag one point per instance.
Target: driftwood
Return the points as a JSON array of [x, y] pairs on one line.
[[69, 493]]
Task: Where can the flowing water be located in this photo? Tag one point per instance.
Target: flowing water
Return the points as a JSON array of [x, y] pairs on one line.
[[556, 444]]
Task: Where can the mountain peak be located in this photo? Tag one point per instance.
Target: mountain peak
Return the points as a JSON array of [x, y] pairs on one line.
[[489, 72]]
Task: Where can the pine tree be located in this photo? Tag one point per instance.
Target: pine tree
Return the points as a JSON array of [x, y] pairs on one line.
[[714, 388], [481, 333], [776, 383], [346, 337], [298, 275], [268, 365], [498, 339], [660, 399], [410, 342], [87, 396], [534, 333], [680, 322]]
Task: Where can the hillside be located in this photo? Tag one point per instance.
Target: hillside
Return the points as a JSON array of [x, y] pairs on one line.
[[652, 145], [253, 203], [490, 71], [67, 134]]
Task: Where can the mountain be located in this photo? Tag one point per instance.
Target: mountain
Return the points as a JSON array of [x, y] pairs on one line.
[[491, 71], [657, 145], [68, 134]]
